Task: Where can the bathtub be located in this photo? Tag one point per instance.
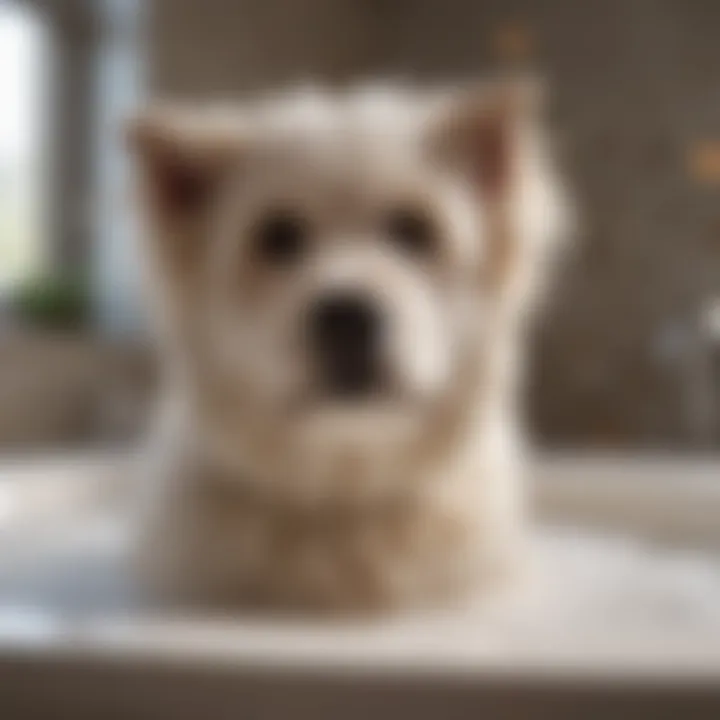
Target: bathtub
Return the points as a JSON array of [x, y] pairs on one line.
[[620, 614]]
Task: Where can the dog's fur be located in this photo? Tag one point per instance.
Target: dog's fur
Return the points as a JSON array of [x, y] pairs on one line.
[[263, 491]]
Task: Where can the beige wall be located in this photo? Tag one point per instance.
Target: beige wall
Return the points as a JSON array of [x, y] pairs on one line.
[[636, 83], [214, 48]]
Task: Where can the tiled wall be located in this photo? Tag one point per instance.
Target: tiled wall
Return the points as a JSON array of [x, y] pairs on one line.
[[620, 359]]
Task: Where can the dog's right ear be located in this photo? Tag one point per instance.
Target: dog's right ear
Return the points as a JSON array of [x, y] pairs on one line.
[[181, 159], [183, 155]]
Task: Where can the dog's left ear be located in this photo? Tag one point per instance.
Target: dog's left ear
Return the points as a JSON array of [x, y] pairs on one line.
[[481, 131], [489, 133]]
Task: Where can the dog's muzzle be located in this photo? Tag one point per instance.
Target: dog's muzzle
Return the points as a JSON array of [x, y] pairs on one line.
[[345, 337]]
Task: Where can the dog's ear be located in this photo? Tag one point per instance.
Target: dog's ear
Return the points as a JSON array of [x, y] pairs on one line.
[[183, 155], [181, 158], [485, 132], [481, 130]]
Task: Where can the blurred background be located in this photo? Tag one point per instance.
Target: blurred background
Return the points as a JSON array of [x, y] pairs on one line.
[[628, 355]]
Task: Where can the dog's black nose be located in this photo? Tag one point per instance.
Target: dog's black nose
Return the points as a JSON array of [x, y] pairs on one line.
[[344, 331]]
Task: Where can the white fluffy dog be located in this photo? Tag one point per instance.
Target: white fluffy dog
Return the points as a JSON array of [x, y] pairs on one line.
[[342, 282]]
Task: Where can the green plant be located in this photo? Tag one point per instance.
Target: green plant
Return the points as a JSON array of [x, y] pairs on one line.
[[59, 301]]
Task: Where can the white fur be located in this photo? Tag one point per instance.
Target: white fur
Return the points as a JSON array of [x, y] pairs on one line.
[[265, 491]]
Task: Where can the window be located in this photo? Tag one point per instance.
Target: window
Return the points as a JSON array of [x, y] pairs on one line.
[[22, 236]]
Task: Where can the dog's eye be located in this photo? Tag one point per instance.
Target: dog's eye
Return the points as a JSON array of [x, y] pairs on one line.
[[412, 230], [281, 238]]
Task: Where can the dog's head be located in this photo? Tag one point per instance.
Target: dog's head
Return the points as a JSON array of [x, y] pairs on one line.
[[335, 268]]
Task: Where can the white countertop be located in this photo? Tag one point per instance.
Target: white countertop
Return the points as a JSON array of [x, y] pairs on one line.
[[593, 602]]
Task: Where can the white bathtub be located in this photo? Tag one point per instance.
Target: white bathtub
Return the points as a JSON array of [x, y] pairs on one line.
[[622, 614]]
